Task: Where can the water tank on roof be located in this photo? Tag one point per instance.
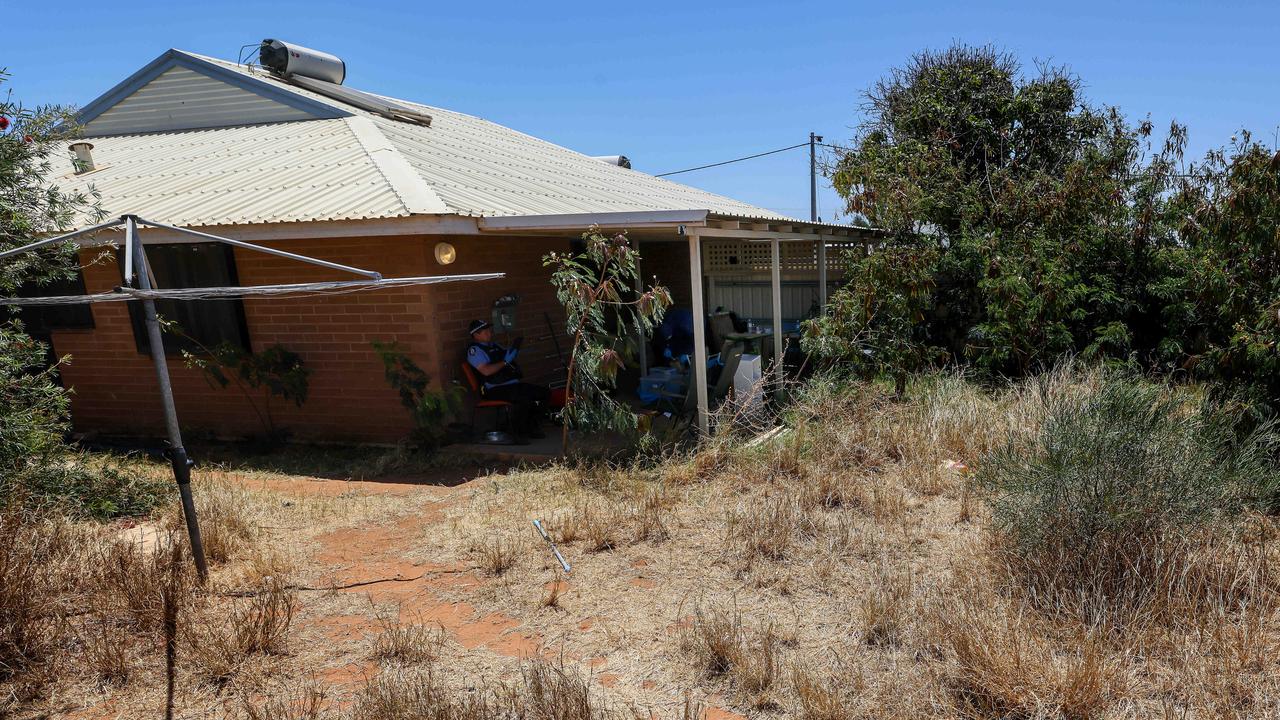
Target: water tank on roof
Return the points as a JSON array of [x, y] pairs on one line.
[[287, 58]]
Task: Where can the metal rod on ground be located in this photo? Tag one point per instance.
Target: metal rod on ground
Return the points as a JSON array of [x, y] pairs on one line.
[[177, 453], [563, 563]]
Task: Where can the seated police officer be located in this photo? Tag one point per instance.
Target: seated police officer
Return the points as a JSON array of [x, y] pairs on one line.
[[501, 380]]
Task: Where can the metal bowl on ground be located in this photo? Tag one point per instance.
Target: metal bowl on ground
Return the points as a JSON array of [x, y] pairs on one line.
[[499, 437]]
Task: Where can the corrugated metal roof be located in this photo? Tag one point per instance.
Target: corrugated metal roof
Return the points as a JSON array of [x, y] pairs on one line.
[[281, 172], [318, 169]]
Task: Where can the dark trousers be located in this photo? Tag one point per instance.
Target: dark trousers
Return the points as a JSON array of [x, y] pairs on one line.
[[528, 403]]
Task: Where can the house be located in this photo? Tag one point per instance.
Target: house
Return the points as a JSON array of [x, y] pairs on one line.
[[404, 189]]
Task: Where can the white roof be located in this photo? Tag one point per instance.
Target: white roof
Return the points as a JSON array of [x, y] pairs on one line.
[[339, 163]]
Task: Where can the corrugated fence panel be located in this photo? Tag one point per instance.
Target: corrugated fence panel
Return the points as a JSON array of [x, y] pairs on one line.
[[750, 297]]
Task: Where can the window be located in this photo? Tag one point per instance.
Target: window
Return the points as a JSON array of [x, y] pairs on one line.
[[201, 322], [41, 319]]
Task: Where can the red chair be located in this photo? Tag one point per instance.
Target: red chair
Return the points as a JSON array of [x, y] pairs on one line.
[[501, 406]]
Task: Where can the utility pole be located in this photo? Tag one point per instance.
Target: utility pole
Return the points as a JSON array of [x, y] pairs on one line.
[[813, 216], [813, 176]]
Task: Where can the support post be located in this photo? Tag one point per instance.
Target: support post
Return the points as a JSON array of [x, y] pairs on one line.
[[699, 360], [177, 453], [776, 246], [822, 273]]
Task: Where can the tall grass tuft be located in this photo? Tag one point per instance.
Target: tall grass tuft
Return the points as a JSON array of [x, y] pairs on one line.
[[1110, 504]]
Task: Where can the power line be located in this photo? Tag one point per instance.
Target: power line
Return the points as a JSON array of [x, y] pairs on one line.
[[727, 162]]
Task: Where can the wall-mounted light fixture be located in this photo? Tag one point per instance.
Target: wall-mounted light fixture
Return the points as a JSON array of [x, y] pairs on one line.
[[445, 253]]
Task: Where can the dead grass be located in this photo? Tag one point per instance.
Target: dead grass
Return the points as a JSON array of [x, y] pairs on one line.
[[497, 556], [843, 569], [408, 644], [885, 608], [543, 690], [287, 701], [719, 645], [221, 636]]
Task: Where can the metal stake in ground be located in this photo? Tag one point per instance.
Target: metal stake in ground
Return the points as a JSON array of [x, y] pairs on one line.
[[177, 453]]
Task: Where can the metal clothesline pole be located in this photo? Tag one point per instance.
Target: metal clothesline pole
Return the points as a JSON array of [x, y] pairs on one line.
[[177, 453], [59, 239], [136, 265]]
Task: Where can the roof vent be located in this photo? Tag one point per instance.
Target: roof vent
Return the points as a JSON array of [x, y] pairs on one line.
[[619, 160], [83, 160], [290, 59]]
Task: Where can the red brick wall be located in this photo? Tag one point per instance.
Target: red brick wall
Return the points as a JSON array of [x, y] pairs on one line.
[[460, 303], [114, 385]]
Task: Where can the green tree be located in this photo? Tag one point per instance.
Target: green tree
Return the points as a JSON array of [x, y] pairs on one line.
[[37, 468], [1219, 283], [874, 324], [1024, 190], [33, 408], [603, 313]]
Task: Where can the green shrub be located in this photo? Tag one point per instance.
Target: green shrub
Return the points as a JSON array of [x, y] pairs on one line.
[[73, 485], [1112, 495], [429, 408]]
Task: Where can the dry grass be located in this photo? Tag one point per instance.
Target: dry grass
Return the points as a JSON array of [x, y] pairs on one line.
[[543, 690], [1003, 665], [497, 556], [719, 645], [864, 578], [221, 638], [408, 644], [289, 701], [885, 608]]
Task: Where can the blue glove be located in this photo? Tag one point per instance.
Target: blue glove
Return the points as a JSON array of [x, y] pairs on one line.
[[684, 360], [666, 353], [511, 354]]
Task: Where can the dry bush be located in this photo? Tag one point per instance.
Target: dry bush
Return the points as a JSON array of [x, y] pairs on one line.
[[409, 644], [498, 555], [768, 527], [719, 645], [222, 638], [130, 581], [555, 589], [821, 694], [105, 648], [831, 490]]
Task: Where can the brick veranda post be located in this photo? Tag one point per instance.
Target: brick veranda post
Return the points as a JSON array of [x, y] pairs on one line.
[[177, 453]]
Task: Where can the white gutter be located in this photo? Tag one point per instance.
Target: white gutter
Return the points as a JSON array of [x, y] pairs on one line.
[[640, 219]]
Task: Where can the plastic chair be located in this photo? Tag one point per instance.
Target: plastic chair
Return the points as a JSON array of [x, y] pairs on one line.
[[502, 407]]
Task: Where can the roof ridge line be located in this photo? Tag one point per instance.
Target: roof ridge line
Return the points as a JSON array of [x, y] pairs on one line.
[[418, 197]]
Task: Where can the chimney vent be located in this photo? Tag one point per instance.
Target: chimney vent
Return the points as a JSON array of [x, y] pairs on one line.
[[83, 160]]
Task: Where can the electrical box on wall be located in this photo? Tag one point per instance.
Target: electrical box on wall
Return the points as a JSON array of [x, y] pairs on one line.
[[504, 313]]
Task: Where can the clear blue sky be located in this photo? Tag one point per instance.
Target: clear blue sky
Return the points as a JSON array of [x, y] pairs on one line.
[[673, 85]]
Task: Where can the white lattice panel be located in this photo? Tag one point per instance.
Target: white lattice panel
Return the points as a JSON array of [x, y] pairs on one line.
[[742, 257]]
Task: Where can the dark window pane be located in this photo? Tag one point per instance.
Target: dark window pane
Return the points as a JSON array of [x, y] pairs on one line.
[[42, 319], [201, 322]]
